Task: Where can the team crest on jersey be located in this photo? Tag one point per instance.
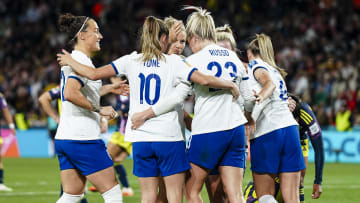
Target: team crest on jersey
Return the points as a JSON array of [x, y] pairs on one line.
[[252, 63], [186, 62]]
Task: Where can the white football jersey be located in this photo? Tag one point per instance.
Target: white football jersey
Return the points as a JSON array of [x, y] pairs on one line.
[[150, 82], [215, 109], [276, 113], [77, 123]]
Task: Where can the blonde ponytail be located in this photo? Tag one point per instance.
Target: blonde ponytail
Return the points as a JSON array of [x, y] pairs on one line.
[[153, 28], [225, 33], [262, 46], [200, 23]]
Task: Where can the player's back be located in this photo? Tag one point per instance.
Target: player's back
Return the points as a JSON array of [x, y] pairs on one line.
[[276, 113], [149, 82], [77, 123], [215, 109]]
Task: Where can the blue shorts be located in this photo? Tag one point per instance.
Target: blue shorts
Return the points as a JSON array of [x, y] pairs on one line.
[[152, 159], [277, 152], [223, 148], [87, 156], [215, 171]]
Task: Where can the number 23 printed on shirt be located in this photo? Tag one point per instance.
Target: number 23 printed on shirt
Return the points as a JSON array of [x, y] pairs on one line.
[[218, 73], [145, 82]]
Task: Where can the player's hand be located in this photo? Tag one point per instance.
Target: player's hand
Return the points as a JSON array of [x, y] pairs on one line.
[[292, 104], [137, 119], [235, 91], [108, 112], [258, 97], [57, 120], [65, 58], [317, 190], [120, 88], [174, 31]]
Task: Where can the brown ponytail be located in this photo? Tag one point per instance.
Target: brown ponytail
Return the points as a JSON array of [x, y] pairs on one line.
[[262, 46], [153, 29]]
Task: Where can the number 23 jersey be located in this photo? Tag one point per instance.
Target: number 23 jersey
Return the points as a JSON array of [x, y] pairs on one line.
[[150, 82], [215, 110]]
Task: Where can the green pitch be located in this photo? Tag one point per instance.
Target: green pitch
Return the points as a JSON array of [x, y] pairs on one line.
[[38, 181]]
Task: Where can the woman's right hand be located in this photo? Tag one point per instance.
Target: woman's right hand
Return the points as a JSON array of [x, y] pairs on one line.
[[65, 58], [292, 104], [174, 31], [235, 91], [108, 112]]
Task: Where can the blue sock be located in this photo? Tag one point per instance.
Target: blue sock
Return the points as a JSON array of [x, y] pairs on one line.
[[1, 176], [120, 170]]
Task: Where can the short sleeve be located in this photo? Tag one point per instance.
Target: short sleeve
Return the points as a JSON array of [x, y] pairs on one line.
[[80, 79], [121, 64], [55, 93], [3, 103], [183, 69]]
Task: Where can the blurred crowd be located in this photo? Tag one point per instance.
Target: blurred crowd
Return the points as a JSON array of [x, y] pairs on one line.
[[316, 41]]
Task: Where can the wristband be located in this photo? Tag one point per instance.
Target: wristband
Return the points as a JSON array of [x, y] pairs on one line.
[[12, 126], [96, 108]]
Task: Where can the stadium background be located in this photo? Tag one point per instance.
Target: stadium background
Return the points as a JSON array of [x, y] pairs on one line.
[[316, 41]]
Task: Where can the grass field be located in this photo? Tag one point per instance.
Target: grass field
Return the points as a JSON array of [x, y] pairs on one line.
[[37, 181]]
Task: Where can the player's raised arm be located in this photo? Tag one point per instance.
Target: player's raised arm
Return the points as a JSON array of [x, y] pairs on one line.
[[106, 71]]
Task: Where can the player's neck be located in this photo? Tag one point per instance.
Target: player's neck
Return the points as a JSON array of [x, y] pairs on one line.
[[83, 50], [204, 43]]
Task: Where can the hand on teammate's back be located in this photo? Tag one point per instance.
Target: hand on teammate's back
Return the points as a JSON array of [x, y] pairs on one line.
[[258, 98], [292, 104], [64, 59], [235, 91]]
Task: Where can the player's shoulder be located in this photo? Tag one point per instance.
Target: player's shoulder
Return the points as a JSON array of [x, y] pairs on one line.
[[79, 56]]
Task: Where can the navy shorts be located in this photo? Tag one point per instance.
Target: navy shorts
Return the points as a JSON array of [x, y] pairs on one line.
[[152, 159], [277, 152], [87, 156], [223, 148]]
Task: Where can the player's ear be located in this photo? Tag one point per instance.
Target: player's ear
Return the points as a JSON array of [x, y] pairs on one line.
[[81, 35]]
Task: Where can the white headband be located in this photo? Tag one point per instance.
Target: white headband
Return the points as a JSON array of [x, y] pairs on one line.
[[80, 28]]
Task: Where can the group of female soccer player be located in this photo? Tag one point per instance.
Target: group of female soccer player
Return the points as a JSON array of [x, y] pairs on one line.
[[160, 79]]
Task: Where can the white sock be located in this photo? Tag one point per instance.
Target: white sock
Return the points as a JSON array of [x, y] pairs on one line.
[[68, 198], [267, 199], [113, 195]]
